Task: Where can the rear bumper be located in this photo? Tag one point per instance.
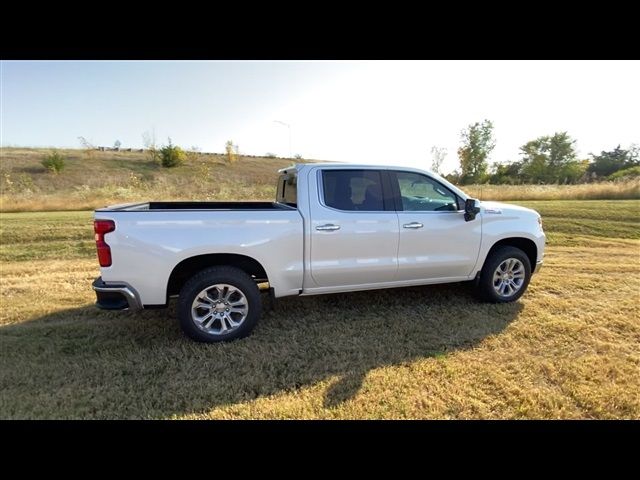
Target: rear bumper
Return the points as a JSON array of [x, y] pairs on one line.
[[116, 296], [538, 266]]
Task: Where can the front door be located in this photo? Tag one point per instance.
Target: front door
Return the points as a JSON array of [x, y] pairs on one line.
[[435, 240], [354, 229]]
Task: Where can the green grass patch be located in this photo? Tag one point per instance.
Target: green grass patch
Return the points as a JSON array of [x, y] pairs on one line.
[[564, 219], [46, 235]]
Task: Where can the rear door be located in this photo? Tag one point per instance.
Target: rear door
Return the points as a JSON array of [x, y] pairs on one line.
[[435, 240], [354, 228]]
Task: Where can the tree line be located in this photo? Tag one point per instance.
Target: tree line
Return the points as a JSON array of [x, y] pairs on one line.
[[545, 160]]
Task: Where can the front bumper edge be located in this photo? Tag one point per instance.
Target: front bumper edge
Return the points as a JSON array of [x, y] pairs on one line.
[[537, 267]]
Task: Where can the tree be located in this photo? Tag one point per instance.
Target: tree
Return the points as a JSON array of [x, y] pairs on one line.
[[149, 142], [54, 162], [505, 173], [171, 155], [87, 146], [231, 151], [551, 159], [477, 144], [631, 172], [453, 177], [607, 163], [117, 144], [438, 154]]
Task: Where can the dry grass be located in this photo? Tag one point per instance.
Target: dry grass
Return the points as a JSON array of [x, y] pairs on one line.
[[625, 189], [116, 177], [108, 178], [569, 349]]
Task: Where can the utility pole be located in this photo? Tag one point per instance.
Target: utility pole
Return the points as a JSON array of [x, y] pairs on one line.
[[289, 127]]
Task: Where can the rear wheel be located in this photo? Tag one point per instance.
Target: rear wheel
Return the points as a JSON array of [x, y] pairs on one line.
[[505, 275], [219, 304]]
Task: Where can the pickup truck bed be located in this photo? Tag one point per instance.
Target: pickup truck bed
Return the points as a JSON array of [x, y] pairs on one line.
[[226, 206]]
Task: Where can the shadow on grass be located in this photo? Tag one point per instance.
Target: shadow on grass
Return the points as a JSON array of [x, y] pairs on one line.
[[87, 363]]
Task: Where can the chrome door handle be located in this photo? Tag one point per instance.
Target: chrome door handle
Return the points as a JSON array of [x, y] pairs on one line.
[[328, 227], [413, 225]]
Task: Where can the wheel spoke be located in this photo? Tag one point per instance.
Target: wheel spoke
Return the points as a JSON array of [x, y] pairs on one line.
[[507, 288], [204, 306], [223, 325], [217, 293], [202, 319], [226, 291], [242, 309], [209, 322], [203, 297], [231, 321]]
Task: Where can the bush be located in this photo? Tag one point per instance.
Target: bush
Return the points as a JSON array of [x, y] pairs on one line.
[[270, 155], [54, 162], [231, 151], [171, 155], [625, 173]]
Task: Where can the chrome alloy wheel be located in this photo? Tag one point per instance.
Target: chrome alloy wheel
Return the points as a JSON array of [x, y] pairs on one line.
[[219, 309], [508, 277]]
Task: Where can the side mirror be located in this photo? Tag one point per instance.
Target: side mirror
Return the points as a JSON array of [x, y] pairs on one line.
[[471, 209]]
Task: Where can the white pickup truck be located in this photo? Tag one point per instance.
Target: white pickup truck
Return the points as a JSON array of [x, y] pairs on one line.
[[333, 228]]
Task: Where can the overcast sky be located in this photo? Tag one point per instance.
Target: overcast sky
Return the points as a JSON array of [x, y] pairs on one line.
[[389, 112]]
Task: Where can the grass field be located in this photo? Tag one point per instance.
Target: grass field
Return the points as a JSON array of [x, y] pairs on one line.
[[107, 178], [569, 349]]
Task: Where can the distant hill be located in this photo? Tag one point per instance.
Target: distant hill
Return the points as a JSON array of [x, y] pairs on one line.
[[100, 169], [96, 178]]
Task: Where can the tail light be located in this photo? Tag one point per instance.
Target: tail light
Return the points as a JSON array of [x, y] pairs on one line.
[[104, 251]]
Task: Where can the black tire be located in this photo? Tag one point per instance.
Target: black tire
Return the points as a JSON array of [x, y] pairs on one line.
[[209, 277], [485, 288]]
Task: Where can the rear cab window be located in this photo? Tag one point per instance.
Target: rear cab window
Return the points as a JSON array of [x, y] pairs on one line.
[[287, 193]]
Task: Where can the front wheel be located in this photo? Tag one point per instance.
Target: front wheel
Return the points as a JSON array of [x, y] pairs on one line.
[[219, 304], [505, 275]]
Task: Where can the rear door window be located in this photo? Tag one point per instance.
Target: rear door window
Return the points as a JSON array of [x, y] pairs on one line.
[[353, 190]]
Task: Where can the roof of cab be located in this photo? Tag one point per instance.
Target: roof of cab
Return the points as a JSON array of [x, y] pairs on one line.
[[300, 166]]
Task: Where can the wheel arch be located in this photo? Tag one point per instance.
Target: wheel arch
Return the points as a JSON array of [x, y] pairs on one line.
[[192, 265], [527, 245]]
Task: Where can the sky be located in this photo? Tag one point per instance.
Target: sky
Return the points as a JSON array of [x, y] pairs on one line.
[[380, 112]]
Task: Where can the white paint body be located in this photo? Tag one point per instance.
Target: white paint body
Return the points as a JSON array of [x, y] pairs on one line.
[[371, 250]]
